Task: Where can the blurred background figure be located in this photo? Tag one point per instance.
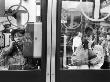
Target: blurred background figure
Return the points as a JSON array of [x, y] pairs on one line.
[[77, 41], [80, 55], [95, 51]]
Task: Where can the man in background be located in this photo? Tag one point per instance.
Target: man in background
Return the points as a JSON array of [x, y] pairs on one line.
[[77, 41]]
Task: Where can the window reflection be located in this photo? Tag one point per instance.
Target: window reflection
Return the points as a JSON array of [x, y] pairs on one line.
[[84, 43]]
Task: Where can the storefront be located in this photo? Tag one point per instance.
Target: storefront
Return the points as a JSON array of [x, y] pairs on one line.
[[55, 40]]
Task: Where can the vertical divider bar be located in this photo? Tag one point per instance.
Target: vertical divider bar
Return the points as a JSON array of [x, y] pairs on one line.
[[54, 11], [49, 19]]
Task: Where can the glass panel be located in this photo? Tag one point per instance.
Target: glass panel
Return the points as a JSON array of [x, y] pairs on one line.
[[20, 35], [85, 34]]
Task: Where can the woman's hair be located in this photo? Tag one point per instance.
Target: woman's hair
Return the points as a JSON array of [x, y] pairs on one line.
[[21, 31], [88, 29]]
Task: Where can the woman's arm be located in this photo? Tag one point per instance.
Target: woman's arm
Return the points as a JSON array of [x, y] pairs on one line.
[[7, 49]]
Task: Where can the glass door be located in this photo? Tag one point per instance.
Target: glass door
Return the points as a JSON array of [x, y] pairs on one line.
[[82, 40], [23, 40]]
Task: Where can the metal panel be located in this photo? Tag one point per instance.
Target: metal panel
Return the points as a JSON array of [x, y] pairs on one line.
[[48, 40], [37, 40], [33, 46], [53, 40]]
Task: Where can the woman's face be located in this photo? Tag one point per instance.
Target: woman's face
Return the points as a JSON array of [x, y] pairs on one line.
[[89, 33], [18, 37]]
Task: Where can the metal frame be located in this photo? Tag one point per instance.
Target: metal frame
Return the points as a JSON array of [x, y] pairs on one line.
[[49, 19], [53, 40]]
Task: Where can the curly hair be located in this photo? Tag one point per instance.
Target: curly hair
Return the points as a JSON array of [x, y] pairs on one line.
[[21, 31]]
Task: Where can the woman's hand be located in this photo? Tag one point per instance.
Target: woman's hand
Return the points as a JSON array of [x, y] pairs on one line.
[[8, 48], [90, 43]]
